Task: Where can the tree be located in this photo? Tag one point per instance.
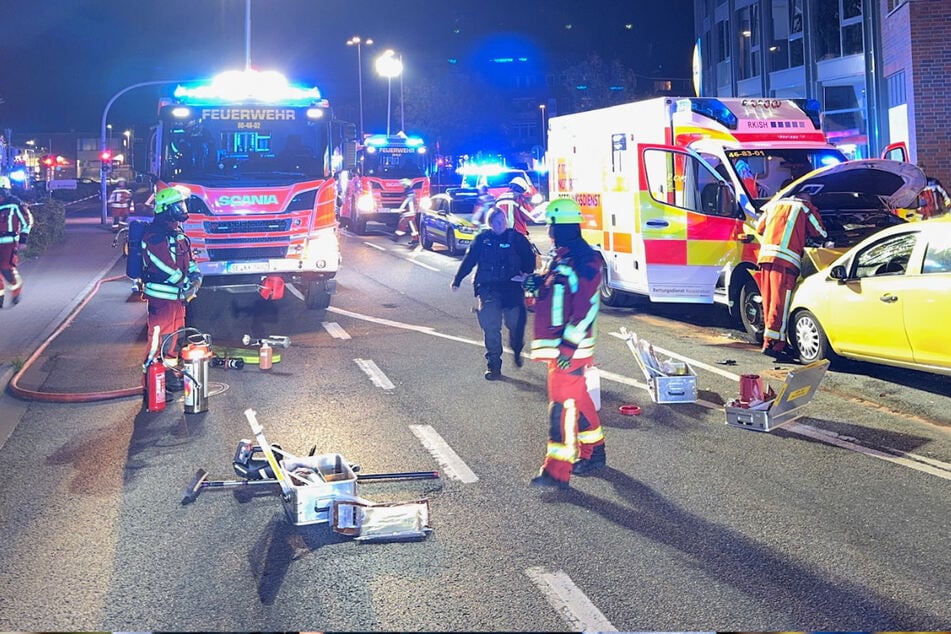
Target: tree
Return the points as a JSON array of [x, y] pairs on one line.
[[594, 83]]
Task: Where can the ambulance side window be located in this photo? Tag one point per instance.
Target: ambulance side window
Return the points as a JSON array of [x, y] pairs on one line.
[[679, 179]]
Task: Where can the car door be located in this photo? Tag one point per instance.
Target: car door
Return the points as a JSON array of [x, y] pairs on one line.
[[927, 301], [869, 308]]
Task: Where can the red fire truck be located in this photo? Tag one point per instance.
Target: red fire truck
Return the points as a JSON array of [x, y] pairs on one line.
[[374, 190], [255, 151]]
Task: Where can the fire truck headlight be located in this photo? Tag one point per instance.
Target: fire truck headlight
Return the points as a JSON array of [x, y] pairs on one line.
[[426, 203], [322, 248], [366, 203]]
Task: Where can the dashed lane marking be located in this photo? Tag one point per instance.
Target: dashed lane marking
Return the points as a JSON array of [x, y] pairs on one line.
[[335, 330], [375, 373], [569, 601], [453, 467]]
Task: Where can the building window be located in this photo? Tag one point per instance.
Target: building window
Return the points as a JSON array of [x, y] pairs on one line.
[[749, 42], [723, 41], [838, 28], [894, 4]]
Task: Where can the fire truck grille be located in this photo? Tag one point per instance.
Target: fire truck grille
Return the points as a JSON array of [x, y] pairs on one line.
[[391, 201], [257, 253], [247, 226]]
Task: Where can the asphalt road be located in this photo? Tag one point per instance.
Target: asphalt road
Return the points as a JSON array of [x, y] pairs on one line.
[[835, 522]]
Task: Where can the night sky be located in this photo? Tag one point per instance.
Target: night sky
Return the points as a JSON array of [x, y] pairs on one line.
[[62, 60]]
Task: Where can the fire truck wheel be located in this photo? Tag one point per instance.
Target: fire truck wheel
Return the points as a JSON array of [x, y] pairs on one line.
[[751, 309], [317, 297], [359, 225], [609, 296]]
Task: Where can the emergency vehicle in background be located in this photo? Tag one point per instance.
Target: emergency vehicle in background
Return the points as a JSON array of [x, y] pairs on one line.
[[671, 187], [374, 189], [255, 152]]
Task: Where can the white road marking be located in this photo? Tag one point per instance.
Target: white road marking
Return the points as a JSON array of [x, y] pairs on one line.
[[375, 246], [453, 467], [912, 461], [376, 374], [569, 601], [335, 330], [425, 266]]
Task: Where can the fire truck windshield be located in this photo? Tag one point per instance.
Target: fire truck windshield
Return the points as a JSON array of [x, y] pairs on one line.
[[765, 172], [393, 163], [248, 144]]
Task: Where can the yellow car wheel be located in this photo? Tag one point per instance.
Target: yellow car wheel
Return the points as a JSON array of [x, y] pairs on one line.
[[809, 338]]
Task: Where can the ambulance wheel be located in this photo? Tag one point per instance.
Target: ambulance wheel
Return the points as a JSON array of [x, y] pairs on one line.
[[609, 296], [751, 309], [809, 338]]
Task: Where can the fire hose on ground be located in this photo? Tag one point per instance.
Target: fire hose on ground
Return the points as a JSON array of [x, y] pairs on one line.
[[65, 397]]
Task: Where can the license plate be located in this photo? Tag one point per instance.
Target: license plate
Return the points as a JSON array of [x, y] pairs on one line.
[[248, 267]]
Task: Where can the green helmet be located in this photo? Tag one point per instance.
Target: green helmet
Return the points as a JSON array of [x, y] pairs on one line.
[[172, 200], [563, 211]]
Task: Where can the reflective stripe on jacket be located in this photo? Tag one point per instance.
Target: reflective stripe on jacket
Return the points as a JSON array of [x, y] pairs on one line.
[[15, 219], [784, 227], [566, 310], [168, 263]]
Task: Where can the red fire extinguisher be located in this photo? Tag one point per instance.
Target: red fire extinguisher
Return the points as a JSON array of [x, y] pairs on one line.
[[154, 379]]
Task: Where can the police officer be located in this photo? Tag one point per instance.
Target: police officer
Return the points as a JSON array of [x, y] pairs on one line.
[[568, 301], [16, 221], [502, 257], [171, 277]]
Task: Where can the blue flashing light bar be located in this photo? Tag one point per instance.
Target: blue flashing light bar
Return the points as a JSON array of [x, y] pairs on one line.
[[250, 85], [812, 109], [381, 140], [713, 108]]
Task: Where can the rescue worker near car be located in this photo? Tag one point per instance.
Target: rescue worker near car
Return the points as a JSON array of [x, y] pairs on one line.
[[171, 277], [933, 200], [502, 258], [784, 226], [16, 221], [410, 214], [566, 310], [517, 204], [120, 204]]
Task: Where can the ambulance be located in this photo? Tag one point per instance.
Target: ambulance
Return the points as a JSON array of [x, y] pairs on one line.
[[671, 188]]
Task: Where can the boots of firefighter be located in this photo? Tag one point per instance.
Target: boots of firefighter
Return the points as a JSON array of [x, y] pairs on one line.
[[585, 466], [174, 382], [548, 481]]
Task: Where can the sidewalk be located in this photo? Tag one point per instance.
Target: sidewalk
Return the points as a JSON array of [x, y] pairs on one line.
[[53, 285]]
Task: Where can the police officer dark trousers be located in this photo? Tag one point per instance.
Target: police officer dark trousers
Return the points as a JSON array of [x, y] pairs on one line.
[[501, 257]]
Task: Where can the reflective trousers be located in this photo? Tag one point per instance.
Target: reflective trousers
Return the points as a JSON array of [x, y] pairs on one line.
[[491, 317], [777, 281], [169, 316], [8, 270], [574, 426]]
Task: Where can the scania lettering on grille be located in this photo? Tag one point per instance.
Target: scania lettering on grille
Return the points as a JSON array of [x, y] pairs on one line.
[[241, 201]]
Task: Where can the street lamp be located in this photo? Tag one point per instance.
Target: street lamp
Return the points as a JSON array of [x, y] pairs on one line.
[[389, 66], [544, 135], [356, 41], [128, 141], [102, 134]]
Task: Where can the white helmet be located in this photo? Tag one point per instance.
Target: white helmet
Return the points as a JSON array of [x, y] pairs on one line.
[[519, 184]]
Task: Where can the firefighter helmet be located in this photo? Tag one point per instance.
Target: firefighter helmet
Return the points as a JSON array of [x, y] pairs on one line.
[[519, 185], [121, 182], [171, 200], [563, 211], [5, 182], [406, 183]]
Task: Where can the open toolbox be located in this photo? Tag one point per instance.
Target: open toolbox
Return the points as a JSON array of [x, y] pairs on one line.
[[314, 483], [797, 391], [668, 381]]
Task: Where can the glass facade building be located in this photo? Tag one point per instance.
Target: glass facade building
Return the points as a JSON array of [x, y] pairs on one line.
[[881, 69]]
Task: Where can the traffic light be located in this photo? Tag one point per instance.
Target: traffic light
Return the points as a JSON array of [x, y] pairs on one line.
[[49, 161], [105, 157]]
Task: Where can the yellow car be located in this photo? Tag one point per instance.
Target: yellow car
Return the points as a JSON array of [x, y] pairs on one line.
[[885, 301]]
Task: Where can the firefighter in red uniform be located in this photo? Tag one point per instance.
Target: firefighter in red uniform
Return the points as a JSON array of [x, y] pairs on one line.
[[15, 224], [785, 227], [566, 310], [120, 204], [934, 199], [171, 277]]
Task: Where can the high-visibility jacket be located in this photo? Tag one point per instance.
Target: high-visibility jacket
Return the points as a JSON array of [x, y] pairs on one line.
[[16, 221], [517, 209], [120, 199], [784, 227], [934, 200], [170, 271], [566, 308]]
